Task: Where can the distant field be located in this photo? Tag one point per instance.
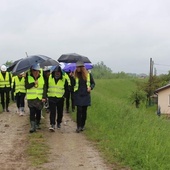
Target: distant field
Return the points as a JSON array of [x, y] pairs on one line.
[[136, 138]]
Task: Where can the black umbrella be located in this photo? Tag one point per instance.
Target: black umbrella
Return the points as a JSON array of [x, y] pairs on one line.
[[25, 63], [10, 68], [73, 58], [49, 62]]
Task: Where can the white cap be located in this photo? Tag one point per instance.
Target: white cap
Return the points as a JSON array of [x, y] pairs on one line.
[[47, 68], [22, 73], [3, 68], [36, 67]]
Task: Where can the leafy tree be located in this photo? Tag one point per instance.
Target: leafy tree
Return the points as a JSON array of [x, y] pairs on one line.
[[8, 63], [149, 86], [100, 70], [137, 97]]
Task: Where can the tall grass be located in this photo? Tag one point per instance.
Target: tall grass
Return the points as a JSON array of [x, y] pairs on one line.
[[137, 138]]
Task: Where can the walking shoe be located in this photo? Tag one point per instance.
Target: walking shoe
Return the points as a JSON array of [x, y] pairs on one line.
[[58, 126], [21, 114], [82, 128], [78, 129], [38, 126], [52, 128], [7, 110]]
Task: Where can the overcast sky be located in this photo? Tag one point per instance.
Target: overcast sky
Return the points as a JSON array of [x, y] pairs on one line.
[[124, 34]]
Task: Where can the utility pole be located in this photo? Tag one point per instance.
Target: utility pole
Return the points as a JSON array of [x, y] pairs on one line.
[[151, 67], [150, 81]]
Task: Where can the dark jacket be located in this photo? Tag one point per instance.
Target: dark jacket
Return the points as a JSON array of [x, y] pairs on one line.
[[81, 96]]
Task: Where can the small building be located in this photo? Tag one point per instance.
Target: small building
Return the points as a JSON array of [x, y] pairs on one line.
[[163, 94]]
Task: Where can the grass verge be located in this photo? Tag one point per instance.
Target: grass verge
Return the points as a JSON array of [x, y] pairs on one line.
[[38, 149]]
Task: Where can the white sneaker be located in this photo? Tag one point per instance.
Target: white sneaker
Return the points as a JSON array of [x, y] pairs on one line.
[[21, 114]]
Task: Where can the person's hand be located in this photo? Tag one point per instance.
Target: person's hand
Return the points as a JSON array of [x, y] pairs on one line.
[[36, 83], [89, 89], [43, 100]]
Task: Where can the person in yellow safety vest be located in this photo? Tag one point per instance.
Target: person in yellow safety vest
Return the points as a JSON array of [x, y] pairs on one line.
[[5, 87], [70, 93], [19, 92], [46, 74], [36, 95], [84, 83], [55, 92]]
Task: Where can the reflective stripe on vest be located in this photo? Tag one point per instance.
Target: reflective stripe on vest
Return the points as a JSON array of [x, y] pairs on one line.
[[35, 92], [19, 85], [77, 82], [4, 82], [67, 78], [56, 90]]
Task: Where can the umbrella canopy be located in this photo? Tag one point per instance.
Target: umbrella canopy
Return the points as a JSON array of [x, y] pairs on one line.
[[72, 66], [49, 62], [25, 63], [10, 68], [73, 58]]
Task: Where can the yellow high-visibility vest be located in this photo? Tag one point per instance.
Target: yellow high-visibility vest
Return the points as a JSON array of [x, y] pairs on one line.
[[35, 92], [19, 85], [56, 90], [4, 82], [67, 78], [77, 82]]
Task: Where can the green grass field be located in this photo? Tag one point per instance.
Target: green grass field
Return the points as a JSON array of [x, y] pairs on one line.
[[136, 138]]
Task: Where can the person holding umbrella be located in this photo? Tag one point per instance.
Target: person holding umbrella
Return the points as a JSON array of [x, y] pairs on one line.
[[84, 83], [36, 95], [55, 92], [5, 87]]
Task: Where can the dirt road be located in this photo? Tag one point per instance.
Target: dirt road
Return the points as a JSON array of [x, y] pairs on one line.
[[68, 150]]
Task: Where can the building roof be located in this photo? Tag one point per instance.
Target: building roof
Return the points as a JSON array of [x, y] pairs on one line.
[[162, 88]]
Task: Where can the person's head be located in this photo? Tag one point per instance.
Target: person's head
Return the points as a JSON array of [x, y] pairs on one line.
[[35, 70], [46, 71], [21, 74], [80, 69], [79, 66], [3, 68], [57, 73]]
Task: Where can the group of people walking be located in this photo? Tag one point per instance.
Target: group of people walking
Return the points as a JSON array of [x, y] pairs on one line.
[[42, 86]]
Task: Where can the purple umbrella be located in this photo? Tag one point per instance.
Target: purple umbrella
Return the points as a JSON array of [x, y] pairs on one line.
[[72, 66]]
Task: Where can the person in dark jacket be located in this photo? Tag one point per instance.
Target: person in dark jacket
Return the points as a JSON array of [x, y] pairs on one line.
[[55, 91], [36, 95], [69, 94], [5, 87], [46, 74], [84, 83]]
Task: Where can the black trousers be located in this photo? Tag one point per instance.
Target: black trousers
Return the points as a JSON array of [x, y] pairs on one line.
[[56, 106], [5, 99], [20, 99], [35, 114], [68, 95], [81, 116]]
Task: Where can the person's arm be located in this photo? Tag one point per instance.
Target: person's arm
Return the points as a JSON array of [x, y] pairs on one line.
[[27, 84], [92, 82]]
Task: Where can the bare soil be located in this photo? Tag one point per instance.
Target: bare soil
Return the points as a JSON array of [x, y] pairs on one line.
[[68, 150]]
